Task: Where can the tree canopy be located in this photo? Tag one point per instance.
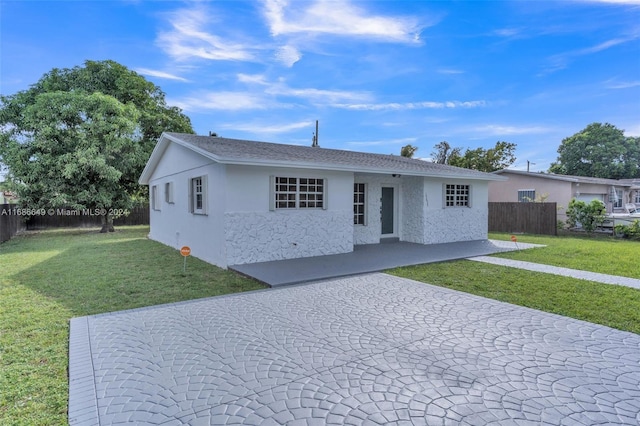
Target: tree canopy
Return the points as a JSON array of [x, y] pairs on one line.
[[444, 152], [408, 151], [80, 137], [599, 150], [499, 157]]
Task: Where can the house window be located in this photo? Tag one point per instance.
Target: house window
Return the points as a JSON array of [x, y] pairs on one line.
[[456, 195], [636, 200], [526, 195], [155, 200], [299, 193], [616, 198], [199, 195], [359, 204], [168, 192]]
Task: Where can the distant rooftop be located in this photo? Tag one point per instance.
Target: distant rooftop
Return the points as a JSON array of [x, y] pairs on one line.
[[568, 178]]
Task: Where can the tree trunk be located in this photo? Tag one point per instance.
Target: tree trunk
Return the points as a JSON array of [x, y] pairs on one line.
[[107, 223]]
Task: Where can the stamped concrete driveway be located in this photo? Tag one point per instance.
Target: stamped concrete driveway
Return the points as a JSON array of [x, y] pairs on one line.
[[371, 349]]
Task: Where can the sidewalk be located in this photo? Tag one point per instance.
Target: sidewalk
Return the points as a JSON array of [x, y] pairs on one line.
[[548, 269]]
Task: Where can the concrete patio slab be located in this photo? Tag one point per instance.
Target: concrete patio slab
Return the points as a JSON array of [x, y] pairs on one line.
[[371, 349], [369, 258]]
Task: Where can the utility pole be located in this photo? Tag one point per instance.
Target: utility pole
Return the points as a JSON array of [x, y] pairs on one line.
[[315, 137]]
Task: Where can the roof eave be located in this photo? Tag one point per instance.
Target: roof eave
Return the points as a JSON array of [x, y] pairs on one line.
[[341, 168]]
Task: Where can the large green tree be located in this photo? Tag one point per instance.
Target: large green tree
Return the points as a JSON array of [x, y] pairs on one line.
[[599, 150], [81, 136], [499, 157]]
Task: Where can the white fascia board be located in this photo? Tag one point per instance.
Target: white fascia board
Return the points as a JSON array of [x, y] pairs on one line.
[[345, 168]]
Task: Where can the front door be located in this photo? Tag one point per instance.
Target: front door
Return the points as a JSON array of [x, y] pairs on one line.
[[387, 211]]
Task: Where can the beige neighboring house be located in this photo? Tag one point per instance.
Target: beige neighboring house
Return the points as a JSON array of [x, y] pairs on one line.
[[524, 186]]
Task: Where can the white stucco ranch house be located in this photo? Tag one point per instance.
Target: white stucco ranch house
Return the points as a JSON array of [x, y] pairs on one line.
[[236, 201]]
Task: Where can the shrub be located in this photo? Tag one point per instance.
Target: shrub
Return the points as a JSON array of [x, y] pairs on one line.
[[629, 231], [589, 216]]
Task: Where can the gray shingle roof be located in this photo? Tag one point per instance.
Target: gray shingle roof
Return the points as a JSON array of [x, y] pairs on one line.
[[238, 151]]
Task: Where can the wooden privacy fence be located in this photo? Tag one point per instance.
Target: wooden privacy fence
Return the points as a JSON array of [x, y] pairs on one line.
[[10, 222], [530, 218], [87, 218]]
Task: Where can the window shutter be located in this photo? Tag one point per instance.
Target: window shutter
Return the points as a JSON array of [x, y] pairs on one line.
[[190, 192], [272, 193], [470, 197], [205, 194]]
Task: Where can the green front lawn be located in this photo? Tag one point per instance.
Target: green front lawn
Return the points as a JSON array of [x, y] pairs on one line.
[[49, 277], [606, 255], [611, 305]]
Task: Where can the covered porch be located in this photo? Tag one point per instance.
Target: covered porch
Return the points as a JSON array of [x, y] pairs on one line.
[[368, 258]]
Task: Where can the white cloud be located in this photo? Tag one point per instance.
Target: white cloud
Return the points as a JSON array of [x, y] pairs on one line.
[[228, 101], [499, 130], [319, 96], [288, 55], [622, 84], [312, 95], [507, 32], [337, 18], [634, 131], [449, 71], [261, 128], [627, 2], [188, 38], [411, 105], [561, 61], [253, 79], [159, 74], [383, 142]]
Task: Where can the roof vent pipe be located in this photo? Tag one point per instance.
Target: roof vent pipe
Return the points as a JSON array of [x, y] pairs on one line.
[[213, 134]]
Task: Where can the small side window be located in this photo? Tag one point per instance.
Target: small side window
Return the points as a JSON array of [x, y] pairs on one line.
[[168, 192]]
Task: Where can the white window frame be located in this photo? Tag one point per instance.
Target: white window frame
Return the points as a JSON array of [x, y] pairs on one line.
[[360, 200], [198, 187], [618, 202], [155, 200], [460, 197], [526, 193], [637, 198], [297, 193], [168, 193]]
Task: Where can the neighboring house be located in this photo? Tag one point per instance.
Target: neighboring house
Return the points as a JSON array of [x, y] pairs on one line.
[[236, 201], [561, 189]]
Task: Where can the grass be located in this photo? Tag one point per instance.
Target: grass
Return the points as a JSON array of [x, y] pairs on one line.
[[49, 277], [610, 305], [607, 255]]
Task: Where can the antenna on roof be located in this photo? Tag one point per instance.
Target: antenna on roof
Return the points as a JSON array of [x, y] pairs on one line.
[[315, 137]]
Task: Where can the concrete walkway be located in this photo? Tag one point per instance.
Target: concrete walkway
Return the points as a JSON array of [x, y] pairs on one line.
[[556, 270], [369, 258], [365, 350]]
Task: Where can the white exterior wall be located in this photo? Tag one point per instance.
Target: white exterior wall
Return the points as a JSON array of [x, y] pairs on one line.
[[173, 224], [253, 233], [450, 224], [413, 200]]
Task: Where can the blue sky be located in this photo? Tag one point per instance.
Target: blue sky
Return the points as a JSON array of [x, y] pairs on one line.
[[376, 74]]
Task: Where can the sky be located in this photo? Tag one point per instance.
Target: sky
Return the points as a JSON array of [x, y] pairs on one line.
[[377, 75]]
